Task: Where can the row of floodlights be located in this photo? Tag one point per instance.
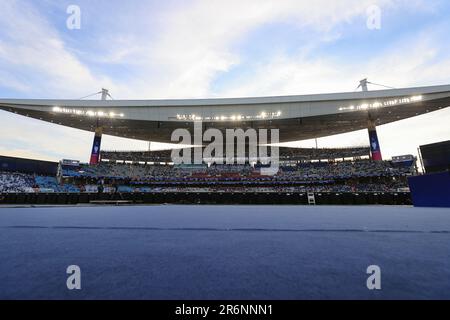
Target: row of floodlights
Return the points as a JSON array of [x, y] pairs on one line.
[[262, 115], [89, 113], [387, 103]]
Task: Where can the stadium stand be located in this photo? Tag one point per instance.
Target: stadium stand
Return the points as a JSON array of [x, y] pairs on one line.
[[223, 183], [16, 182], [360, 175], [285, 153]]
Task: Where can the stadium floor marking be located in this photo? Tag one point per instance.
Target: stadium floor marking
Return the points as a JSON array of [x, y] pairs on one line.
[[226, 229]]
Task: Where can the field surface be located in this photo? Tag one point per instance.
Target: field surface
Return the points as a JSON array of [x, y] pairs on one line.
[[225, 252]]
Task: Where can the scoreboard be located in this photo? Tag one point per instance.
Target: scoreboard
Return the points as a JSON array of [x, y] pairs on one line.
[[436, 156]]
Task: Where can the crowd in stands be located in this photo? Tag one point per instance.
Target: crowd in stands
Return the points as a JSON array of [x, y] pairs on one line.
[[357, 187], [138, 156], [16, 182], [50, 184], [311, 171], [285, 153], [341, 176], [21, 182]]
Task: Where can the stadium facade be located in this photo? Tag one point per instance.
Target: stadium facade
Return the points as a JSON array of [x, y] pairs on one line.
[[296, 117]]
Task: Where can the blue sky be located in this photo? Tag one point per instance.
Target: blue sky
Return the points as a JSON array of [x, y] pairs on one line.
[[200, 49]]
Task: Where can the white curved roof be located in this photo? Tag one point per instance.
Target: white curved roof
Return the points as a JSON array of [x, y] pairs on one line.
[[235, 101], [297, 117]]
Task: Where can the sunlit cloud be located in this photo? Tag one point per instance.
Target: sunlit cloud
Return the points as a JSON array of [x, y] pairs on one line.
[[201, 49]]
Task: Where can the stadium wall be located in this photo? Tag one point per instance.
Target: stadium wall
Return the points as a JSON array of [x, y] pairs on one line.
[[267, 198]]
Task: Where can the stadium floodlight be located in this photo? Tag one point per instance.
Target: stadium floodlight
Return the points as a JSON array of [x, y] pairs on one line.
[[377, 104], [90, 113], [387, 103]]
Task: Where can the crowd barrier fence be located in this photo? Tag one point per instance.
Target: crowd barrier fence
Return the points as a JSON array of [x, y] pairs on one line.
[[321, 198]]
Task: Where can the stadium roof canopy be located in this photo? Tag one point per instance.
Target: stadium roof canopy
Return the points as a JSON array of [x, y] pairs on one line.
[[297, 117]]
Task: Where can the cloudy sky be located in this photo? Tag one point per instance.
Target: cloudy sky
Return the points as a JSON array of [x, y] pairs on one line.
[[227, 48]]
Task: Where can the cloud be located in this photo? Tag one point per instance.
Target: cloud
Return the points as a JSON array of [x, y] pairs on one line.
[[420, 59], [30, 46], [195, 44], [178, 56], [183, 50]]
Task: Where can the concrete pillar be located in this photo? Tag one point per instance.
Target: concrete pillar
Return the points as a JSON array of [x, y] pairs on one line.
[[95, 153], [375, 149]]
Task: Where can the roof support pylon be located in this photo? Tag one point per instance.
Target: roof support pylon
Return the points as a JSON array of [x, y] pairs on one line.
[[95, 152], [363, 84], [105, 94]]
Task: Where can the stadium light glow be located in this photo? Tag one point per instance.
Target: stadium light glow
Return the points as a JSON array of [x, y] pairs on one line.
[[383, 104], [89, 113], [233, 117]]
